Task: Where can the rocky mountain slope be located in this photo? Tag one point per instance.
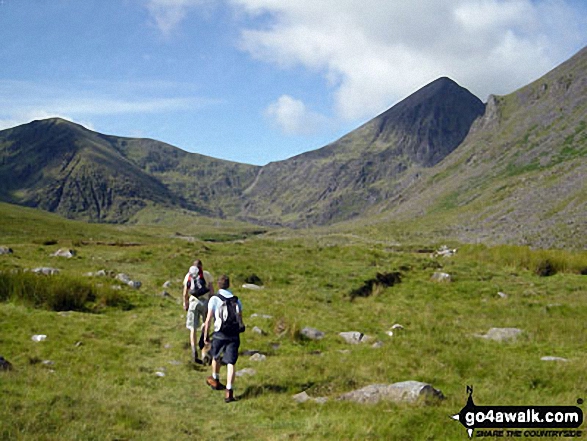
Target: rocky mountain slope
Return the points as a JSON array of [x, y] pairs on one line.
[[62, 167], [511, 170], [367, 166], [520, 176]]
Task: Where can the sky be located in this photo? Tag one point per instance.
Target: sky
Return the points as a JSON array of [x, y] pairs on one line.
[[257, 81]]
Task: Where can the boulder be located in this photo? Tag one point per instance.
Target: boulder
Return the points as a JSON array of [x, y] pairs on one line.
[[252, 286], [445, 251], [5, 250], [259, 331], [501, 334], [354, 337], [303, 397], [246, 371], [124, 278], [312, 334], [46, 271], [441, 277], [258, 357], [64, 252], [403, 392]]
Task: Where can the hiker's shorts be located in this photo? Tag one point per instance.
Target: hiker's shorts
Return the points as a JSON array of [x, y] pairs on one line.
[[227, 347], [196, 313]]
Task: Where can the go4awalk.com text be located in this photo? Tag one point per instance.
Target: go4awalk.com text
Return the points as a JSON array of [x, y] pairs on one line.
[[520, 421]]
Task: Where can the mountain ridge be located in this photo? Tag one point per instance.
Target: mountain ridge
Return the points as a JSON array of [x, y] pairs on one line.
[[509, 170]]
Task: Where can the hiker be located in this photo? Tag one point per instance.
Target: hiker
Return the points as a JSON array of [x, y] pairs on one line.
[[225, 339], [196, 303]]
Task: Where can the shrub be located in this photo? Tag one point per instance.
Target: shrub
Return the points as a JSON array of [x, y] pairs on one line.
[[57, 292]]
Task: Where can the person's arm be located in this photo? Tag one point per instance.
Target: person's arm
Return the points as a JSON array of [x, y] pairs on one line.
[[207, 324], [186, 297]]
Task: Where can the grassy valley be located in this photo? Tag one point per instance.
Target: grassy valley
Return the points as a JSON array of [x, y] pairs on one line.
[[120, 370]]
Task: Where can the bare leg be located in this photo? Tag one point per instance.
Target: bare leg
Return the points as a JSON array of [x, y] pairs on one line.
[[193, 343], [229, 375]]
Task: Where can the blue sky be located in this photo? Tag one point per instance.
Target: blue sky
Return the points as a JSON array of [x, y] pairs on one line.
[[256, 81]]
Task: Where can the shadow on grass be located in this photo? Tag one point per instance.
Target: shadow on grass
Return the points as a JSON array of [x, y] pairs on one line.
[[264, 389]]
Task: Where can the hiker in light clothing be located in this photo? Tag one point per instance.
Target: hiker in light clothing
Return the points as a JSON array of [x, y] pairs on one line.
[[222, 344], [196, 308]]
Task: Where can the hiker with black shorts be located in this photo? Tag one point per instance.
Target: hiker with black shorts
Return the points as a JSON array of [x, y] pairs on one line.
[[197, 289], [228, 324]]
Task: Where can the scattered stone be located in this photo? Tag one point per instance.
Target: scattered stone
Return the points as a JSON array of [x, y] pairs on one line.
[[397, 326], [104, 273], [259, 331], [48, 362], [167, 284], [441, 277], [355, 337], [246, 371], [390, 333], [166, 295], [160, 374], [258, 357], [135, 284], [5, 365], [502, 295], [501, 334], [253, 286], [39, 337], [549, 358], [64, 313], [63, 252], [5, 250], [377, 344], [303, 397], [403, 392], [78, 344], [46, 271], [175, 363], [250, 352], [124, 278], [312, 334], [265, 316], [445, 251]]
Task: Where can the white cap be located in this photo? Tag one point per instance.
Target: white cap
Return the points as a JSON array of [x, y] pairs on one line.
[[194, 271]]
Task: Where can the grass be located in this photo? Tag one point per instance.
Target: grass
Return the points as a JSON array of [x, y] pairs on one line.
[[95, 376]]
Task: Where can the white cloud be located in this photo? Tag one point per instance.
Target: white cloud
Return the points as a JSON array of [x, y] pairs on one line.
[[168, 14], [376, 52], [82, 102], [293, 118]]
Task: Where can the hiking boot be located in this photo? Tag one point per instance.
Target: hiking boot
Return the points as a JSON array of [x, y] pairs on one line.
[[229, 396], [215, 384]]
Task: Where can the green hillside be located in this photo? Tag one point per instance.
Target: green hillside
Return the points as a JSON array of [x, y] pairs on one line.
[[119, 368]]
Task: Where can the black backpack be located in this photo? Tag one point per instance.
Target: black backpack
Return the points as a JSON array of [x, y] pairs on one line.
[[197, 286], [229, 314]]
